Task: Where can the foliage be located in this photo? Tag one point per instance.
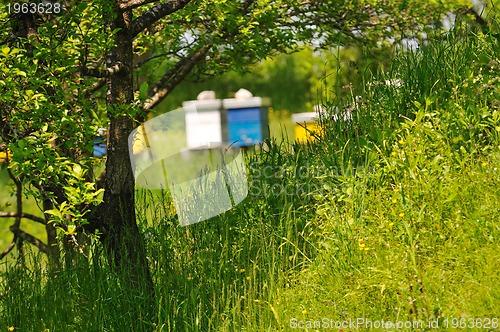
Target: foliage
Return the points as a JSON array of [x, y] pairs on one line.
[[394, 219], [54, 68], [295, 81], [372, 22], [40, 109], [410, 237]]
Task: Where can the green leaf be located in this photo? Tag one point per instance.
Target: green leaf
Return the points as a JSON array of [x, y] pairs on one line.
[[54, 212], [20, 72], [6, 50], [71, 230], [143, 91], [77, 171]]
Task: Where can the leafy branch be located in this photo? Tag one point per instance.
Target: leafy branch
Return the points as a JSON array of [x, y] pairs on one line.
[[174, 76], [156, 13]]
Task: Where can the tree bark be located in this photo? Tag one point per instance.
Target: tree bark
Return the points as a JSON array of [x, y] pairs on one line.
[[116, 214]]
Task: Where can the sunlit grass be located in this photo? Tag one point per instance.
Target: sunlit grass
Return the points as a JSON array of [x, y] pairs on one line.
[[392, 215]]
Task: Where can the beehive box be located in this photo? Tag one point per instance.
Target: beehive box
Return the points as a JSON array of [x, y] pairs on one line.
[[245, 121], [203, 123], [306, 126]]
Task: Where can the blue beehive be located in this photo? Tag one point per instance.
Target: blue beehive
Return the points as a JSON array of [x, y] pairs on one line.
[[245, 119], [99, 149]]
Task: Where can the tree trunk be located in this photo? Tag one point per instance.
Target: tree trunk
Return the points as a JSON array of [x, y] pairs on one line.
[[116, 215]]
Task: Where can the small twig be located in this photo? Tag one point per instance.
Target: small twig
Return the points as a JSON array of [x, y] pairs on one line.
[[142, 62], [94, 88], [76, 244], [404, 117]]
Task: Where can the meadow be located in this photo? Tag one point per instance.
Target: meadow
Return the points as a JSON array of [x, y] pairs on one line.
[[389, 217]]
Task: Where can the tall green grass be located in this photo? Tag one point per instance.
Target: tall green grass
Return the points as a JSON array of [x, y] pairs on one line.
[[413, 236], [391, 215]]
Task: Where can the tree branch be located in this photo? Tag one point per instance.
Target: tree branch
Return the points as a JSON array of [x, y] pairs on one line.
[[9, 248], [19, 198], [154, 14], [161, 55], [117, 67], [94, 88], [31, 239], [185, 65], [131, 4], [32, 217], [174, 76]]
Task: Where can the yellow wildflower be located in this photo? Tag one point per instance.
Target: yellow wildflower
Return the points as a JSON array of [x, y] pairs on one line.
[[362, 245]]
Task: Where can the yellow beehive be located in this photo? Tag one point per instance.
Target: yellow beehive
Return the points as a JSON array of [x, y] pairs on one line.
[[4, 154], [306, 126]]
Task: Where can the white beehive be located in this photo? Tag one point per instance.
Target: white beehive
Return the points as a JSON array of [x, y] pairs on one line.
[[203, 121]]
